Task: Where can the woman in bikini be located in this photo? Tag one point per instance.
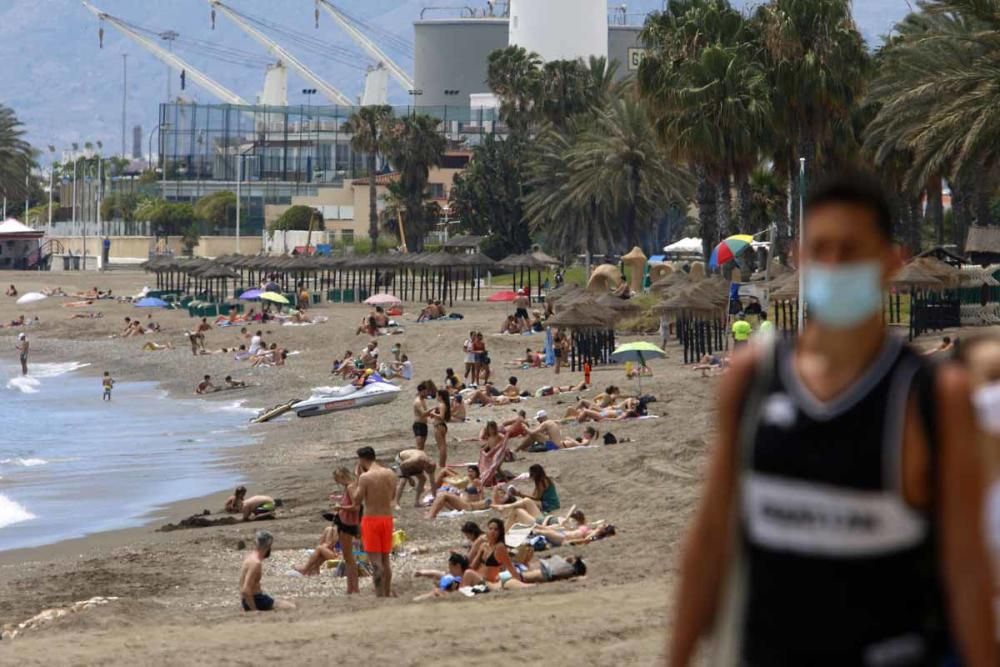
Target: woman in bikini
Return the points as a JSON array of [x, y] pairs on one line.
[[347, 520], [493, 565], [464, 494], [440, 415], [558, 535]]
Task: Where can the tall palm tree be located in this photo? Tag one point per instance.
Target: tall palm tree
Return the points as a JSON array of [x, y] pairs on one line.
[[15, 155], [515, 76], [711, 102], [413, 146], [618, 159], [367, 127]]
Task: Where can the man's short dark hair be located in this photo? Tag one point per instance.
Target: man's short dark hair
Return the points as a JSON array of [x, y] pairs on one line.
[[854, 187], [366, 454]]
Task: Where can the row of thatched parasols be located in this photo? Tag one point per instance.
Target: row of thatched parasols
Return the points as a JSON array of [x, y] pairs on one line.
[[419, 276]]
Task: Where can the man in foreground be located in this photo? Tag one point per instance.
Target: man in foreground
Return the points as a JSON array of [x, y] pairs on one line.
[[251, 596], [376, 492], [546, 433], [841, 520]]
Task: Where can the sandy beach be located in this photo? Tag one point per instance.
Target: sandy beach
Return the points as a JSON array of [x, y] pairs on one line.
[[177, 591]]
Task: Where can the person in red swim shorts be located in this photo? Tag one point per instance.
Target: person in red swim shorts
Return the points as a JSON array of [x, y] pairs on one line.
[[376, 491]]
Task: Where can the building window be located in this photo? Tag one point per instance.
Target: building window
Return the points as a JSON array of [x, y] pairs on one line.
[[347, 236], [437, 190]]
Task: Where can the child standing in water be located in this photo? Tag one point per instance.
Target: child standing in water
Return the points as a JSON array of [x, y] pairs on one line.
[[108, 384]]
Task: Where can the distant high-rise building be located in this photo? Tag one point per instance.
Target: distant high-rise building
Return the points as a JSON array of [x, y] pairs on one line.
[[137, 142]]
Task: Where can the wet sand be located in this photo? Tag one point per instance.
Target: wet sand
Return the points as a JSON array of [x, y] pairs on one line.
[[178, 590]]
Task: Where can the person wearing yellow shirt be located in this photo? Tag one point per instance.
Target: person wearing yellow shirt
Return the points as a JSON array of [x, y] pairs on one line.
[[741, 330]]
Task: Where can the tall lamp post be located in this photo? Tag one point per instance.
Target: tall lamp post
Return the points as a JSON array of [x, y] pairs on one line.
[[239, 203], [309, 92]]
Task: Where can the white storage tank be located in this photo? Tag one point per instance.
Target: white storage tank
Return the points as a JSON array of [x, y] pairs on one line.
[[560, 29]]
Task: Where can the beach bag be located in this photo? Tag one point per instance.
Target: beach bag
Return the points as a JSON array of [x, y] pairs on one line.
[[610, 439]]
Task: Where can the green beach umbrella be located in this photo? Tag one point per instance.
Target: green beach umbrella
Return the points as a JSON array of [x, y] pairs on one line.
[[637, 352], [273, 297]]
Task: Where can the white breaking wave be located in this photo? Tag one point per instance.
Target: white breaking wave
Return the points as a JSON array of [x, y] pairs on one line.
[[234, 406], [27, 463], [54, 370], [24, 384], [12, 512]]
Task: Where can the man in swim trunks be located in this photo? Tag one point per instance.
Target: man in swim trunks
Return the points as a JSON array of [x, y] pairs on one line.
[[546, 433], [205, 386], [376, 492], [420, 417], [414, 464], [259, 507], [251, 596]]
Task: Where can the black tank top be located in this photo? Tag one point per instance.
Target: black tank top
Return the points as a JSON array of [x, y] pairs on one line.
[[839, 569]]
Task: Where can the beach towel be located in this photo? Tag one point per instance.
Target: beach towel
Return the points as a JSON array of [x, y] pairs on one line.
[[490, 463], [451, 514], [517, 535]]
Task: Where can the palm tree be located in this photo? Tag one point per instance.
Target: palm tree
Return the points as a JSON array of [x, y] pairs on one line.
[[515, 76], [711, 100], [618, 159], [413, 146], [15, 155], [367, 127]]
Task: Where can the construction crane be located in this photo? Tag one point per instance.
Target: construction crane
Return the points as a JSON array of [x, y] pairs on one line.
[[277, 51], [397, 72], [182, 67]]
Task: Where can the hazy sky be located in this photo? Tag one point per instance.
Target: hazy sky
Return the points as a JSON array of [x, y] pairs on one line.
[[67, 89]]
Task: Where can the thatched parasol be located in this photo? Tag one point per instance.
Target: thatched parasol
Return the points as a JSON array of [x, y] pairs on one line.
[[685, 301], [583, 316], [216, 272], [949, 275], [617, 304], [912, 275], [548, 260], [558, 294]]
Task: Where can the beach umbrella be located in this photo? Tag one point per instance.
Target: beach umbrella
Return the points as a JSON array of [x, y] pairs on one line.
[[274, 297], [251, 294], [729, 249], [383, 300], [151, 302], [31, 297], [637, 352], [502, 296]]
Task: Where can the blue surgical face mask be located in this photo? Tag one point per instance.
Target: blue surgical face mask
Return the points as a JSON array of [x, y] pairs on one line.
[[842, 296]]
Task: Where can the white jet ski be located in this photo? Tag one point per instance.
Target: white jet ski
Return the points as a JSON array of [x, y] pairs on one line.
[[333, 399]]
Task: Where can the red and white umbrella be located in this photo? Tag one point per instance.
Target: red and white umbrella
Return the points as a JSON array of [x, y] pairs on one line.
[[383, 300]]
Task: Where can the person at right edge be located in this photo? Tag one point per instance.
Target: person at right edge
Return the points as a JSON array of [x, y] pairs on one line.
[[841, 522]]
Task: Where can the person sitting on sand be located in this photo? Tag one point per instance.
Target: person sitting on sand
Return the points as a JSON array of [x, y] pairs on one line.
[[369, 356], [531, 507], [256, 342], [11, 291], [468, 496], [325, 551], [516, 426], [151, 326], [241, 354], [476, 537], [264, 356], [206, 386], [251, 595], [402, 368], [511, 391], [493, 566], [234, 384], [414, 464], [547, 433], [234, 503], [428, 312], [531, 359], [127, 330], [536, 322], [510, 326], [446, 582], [344, 366], [153, 346]]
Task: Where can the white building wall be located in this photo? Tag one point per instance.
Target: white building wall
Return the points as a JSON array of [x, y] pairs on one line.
[[560, 29]]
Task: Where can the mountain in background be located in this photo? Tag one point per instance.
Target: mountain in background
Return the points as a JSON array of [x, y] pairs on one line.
[[66, 89]]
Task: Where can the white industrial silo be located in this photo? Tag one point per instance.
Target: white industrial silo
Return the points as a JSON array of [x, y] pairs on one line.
[[560, 29]]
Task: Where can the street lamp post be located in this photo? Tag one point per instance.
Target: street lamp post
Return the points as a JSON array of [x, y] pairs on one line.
[[309, 92], [239, 202]]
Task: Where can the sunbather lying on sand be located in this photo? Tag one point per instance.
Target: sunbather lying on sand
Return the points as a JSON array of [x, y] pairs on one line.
[[552, 390], [85, 316], [627, 409], [563, 532], [711, 362], [588, 438], [153, 346]]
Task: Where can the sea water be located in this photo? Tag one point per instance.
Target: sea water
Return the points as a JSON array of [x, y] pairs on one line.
[[72, 464]]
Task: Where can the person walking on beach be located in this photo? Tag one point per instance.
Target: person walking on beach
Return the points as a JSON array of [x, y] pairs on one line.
[[841, 521], [22, 351], [251, 595], [108, 384], [376, 493], [741, 331]]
